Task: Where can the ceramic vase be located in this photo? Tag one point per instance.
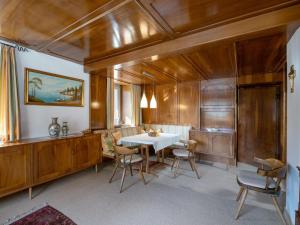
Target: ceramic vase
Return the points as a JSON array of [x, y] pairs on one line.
[[65, 129], [54, 128]]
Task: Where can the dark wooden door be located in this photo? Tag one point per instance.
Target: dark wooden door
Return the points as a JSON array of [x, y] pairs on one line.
[[258, 123]]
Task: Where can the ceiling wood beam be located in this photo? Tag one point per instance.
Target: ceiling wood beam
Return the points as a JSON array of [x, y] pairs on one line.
[[85, 20], [195, 66], [161, 71], [278, 18], [148, 9], [138, 76]]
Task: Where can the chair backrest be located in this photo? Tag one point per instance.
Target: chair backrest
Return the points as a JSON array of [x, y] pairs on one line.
[[120, 150], [117, 135], [191, 145]]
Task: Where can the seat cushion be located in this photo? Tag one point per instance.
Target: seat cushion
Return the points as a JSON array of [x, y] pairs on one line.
[[181, 153], [107, 145], [252, 179], [135, 158]]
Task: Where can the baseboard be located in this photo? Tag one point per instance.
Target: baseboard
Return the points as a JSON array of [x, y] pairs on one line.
[[287, 217]]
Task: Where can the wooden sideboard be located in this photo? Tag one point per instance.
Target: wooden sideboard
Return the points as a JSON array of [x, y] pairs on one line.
[[220, 144], [31, 162]]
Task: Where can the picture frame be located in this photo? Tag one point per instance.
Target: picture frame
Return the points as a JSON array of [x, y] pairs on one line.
[[50, 89]]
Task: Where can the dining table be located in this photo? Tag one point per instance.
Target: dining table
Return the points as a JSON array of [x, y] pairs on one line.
[[159, 143]]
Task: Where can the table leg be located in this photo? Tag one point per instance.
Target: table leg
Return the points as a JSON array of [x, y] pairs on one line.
[[147, 158], [158, 156]]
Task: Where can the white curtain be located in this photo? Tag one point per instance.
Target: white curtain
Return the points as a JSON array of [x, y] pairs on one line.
[[136, 99], [110, 103]]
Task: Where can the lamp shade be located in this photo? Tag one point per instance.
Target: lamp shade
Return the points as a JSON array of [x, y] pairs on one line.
[[144, 102], [153, 104]]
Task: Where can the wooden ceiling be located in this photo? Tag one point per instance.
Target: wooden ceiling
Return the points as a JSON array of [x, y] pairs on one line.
[[259, 55], [102, 33]]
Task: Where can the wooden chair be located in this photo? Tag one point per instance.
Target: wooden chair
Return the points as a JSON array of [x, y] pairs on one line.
[[117, 135], [188, 153], [266, 180], [125, 158]]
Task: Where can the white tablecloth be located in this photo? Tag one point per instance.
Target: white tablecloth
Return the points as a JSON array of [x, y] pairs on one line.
[[159, 143]]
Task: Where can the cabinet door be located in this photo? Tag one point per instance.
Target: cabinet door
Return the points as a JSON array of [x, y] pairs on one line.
[[52, 159], [222, 145], [86, 151], [203, 143], [14, 169], [63, 155]]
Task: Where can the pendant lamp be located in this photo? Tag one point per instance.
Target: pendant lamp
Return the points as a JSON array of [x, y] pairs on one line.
[[144, 102], [153, 103]]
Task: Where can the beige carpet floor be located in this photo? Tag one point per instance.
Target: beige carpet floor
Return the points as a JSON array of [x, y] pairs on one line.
[[89, 199]]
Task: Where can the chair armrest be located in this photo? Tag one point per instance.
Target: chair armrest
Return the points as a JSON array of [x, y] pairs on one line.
[[125, 151], [185, 142], [264, 165]]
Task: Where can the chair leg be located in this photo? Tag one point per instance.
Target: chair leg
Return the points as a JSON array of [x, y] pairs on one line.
[[176, 167], [278, 210], [142, 174], [239, 194], [114, 172], [173, 163], [191, 164], [241, 203], [130, 166], [123, 177], [195, 169], [147, 158]]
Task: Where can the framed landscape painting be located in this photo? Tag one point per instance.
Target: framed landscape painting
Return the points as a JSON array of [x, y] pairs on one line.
[[42, 88]]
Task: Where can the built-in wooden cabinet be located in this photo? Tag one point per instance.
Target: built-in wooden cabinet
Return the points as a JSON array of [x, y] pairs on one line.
[[218, 101], [15, 169], [32, 162], [219, 144]]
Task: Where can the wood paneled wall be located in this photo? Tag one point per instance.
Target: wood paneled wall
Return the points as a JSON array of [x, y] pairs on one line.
[[188, 106], [167, 104], [98, 101], [201, 104]]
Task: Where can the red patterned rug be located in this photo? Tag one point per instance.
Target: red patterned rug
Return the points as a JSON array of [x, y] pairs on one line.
[[46, 215]]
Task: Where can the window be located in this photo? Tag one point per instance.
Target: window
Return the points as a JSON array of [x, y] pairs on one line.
[[117, 105], [127, 106], [123, 104]]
